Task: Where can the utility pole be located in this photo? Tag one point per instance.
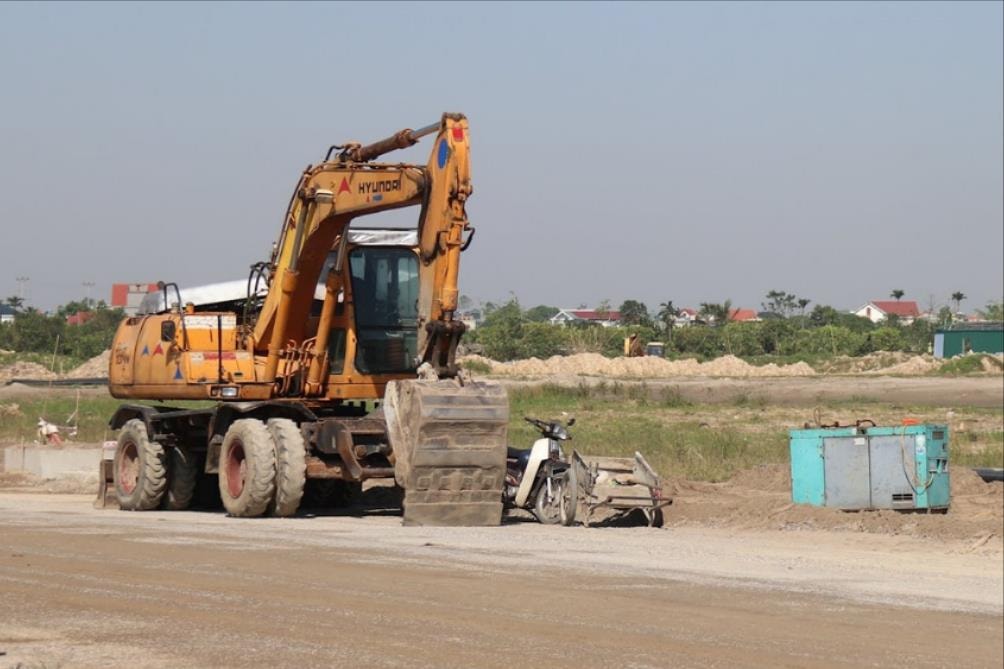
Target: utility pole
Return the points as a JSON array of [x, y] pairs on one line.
[[87, 290]]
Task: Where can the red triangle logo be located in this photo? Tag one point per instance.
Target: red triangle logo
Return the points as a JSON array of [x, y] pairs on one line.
[[158, 350], [344, 188]]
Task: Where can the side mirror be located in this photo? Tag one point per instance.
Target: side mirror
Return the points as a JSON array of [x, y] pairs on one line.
[[167, 330]]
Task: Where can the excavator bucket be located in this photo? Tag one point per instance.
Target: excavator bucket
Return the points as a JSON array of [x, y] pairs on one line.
[[449, 444]]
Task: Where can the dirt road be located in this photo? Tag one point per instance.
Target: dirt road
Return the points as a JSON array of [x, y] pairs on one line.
[[85, 588]]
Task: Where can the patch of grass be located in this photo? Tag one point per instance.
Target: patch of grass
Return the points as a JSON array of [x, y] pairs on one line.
[[711, 442], [63, 363], [617, 420], [746, 399], [992, 456], [476, 366], [19, 415], [966, 364]]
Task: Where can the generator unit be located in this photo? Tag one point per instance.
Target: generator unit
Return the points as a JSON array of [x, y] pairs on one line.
[[870, 467]]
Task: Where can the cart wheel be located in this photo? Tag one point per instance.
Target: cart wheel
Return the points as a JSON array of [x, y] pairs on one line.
[[655, 518], [568, 497]]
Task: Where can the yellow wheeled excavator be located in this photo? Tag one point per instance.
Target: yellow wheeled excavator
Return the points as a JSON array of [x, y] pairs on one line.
[[339, 367]]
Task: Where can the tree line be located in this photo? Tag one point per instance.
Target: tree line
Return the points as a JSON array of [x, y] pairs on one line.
[[32, 331], [787, 328]]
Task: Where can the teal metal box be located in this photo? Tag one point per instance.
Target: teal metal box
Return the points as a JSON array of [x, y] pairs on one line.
[[902, 467]]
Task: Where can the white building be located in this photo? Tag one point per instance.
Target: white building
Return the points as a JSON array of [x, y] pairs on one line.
[[607, 318]]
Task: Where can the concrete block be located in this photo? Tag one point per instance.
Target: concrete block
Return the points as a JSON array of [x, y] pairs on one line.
[[50, 463]]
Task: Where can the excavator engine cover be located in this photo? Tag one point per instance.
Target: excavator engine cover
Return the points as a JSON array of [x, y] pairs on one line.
[[449, 443]]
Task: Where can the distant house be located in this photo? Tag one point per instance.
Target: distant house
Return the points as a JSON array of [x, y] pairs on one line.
[[79, 318], [879, 310], [605, 318], [743, 316], [472, 318], [686, 316], [6, 314]]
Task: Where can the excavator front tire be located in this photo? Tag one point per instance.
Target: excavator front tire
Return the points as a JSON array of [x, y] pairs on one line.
[[290, 466], [140, 470], [247, 469]]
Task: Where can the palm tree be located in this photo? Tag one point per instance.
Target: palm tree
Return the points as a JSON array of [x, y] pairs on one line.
[[720, 314], [897, 294], [667, 316], [957, 297], [802, 304], [15, 302]]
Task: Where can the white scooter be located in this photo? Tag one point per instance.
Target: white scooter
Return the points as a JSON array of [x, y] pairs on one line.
[[541, 479]]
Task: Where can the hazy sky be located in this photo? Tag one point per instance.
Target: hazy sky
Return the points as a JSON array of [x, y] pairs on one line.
[[693, 152]]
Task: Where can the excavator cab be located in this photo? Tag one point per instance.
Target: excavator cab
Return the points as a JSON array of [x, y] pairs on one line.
[[385, 293]]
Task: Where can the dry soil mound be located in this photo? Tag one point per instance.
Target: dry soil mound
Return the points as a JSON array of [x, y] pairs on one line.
[[760, 498], [24, 370], [639, 368], [94, 368]]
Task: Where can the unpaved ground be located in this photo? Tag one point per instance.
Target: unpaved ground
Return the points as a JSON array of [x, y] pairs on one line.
[[760, 499], [86, 588]]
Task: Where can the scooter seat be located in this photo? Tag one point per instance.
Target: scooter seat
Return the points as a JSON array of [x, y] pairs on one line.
[[520, 455]]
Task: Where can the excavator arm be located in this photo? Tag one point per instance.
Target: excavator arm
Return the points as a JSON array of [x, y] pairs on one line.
[[326, 200]]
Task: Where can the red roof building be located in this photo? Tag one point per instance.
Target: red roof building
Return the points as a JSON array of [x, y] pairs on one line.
[[79, 318], [743, 315], [880, 310]]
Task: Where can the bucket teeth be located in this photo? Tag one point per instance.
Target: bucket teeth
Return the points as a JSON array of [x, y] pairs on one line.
[[449, 443]]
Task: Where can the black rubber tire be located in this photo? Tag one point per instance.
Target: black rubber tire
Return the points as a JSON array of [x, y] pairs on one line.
[[290, 466], [247, 469], [658, 519], [182, 475], [139, 468]]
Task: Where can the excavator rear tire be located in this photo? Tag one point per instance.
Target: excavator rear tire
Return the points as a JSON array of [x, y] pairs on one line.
[[247, 469], [139, 471], [290, 466], [182, 475]]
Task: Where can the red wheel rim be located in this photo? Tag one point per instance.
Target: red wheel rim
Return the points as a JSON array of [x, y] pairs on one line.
[[236, 468], [128, 467]]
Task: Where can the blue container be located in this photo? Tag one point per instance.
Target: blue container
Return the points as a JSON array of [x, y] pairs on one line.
[[902, 467]]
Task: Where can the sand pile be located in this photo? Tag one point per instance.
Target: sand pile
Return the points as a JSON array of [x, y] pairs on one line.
[[845, 364], [96, 367], [881, 362], [24, 370], [637, 368], [993, 364], [918, 364]]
